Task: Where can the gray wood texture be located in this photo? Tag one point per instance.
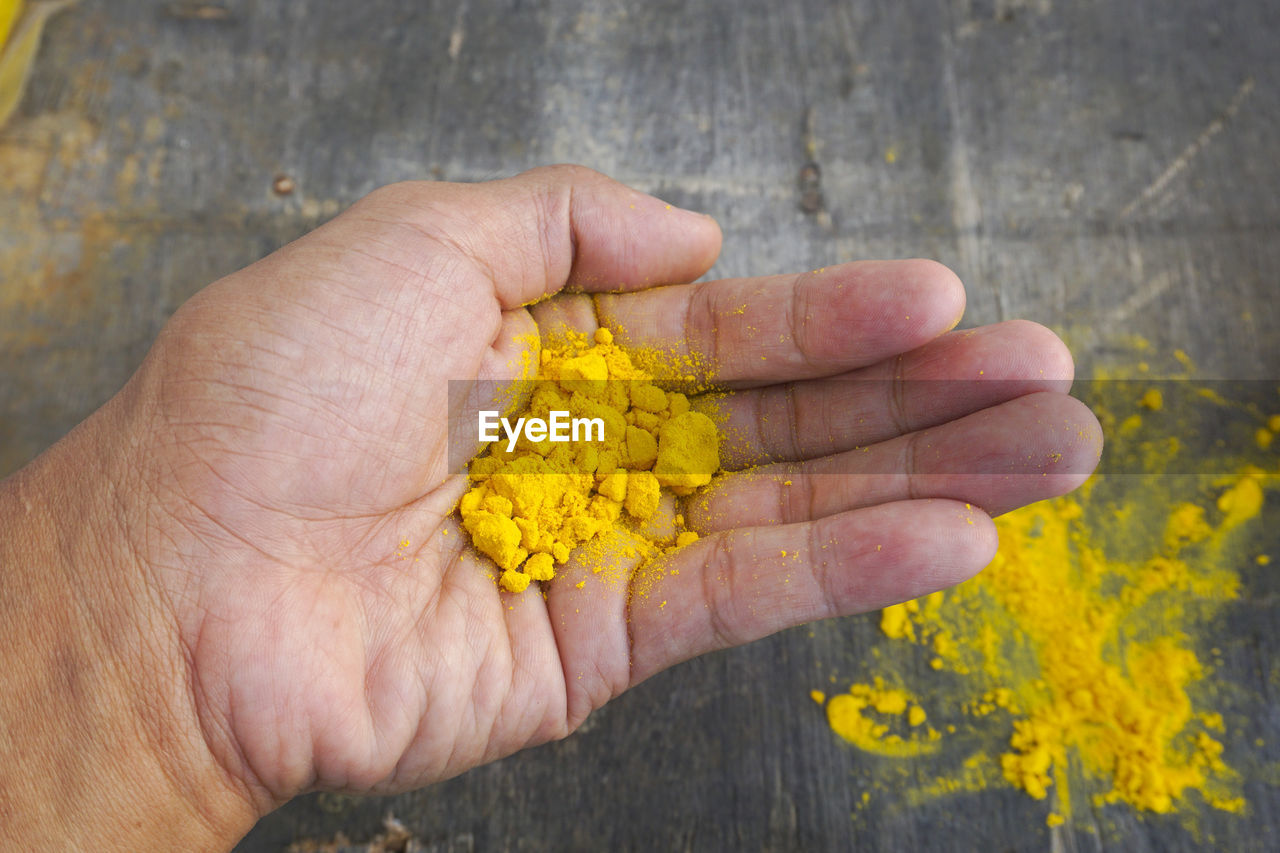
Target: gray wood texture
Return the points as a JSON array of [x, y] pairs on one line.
[[1105, 168]]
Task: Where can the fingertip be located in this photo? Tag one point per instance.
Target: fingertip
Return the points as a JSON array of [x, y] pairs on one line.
[[688, 240], [1070, 431], [1044, 354], [999, 361], [942, 287], [1084, 447], [1062, 449], [693, 239], [708, 235], [984, 540], [906, 549], [968, 543], [897, 305], [624, 239]]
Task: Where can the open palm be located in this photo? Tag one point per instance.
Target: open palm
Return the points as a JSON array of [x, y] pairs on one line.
[[338, 630]]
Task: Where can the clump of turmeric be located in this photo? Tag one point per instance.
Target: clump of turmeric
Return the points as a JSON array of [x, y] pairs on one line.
[[533, 503], [878, 719]]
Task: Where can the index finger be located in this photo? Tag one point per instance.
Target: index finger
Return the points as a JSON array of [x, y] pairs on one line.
[[754, 331]]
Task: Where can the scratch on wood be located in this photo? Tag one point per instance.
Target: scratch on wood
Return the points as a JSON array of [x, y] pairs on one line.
[[1197, 145], [199, 11], [808, 139], [459, 32], [966, 212], [1139, 299]]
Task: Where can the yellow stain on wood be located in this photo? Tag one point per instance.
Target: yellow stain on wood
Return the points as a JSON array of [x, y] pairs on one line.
[[19, 51], [9, 12]]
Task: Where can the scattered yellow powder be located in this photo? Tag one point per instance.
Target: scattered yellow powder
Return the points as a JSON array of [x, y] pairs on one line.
[[1077, 645], [1108, 679], [530, 507]]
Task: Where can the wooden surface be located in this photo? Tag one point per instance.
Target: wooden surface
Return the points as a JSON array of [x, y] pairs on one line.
[[1106, 168]]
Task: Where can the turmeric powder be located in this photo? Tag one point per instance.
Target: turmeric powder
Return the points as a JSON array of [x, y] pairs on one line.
[[868, 717], [532, 505], [1076, 648]]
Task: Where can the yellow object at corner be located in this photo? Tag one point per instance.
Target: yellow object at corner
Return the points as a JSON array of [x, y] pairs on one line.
[[19, 41], [9, 12]]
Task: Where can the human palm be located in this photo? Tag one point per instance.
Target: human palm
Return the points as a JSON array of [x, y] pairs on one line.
[[339, 631]]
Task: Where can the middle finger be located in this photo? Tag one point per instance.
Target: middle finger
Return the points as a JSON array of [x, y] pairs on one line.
[[948, 378]]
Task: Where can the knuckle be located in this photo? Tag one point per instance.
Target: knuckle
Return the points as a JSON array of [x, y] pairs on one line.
[[559, 174], [397, 194]]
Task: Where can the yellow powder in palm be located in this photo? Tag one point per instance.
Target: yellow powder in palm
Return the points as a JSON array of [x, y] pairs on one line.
[[1077, 652], [532, 505]]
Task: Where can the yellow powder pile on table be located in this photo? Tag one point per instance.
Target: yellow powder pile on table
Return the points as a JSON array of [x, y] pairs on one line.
[[1078, 646], [530, 507], [880, 719]]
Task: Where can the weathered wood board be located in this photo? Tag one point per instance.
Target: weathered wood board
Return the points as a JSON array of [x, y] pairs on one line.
[[1106, 168]]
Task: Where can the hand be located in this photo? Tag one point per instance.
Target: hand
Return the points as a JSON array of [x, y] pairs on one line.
[[287, 433]]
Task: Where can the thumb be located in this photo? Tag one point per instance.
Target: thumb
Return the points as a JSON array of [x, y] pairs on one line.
[[554, 227]]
